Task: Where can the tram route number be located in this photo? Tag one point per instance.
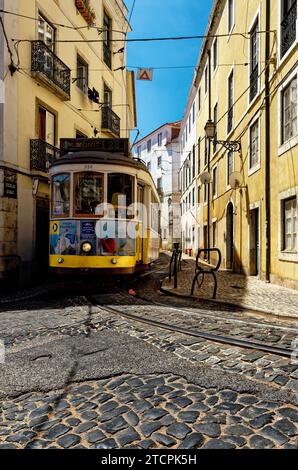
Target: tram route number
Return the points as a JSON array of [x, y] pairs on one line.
[[150, 459], [88, 167]]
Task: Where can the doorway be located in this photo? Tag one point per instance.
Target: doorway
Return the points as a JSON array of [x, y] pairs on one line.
[[254, 245], [230, 236]]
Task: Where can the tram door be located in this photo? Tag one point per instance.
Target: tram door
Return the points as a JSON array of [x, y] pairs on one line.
[[42, 237], [140, 238]]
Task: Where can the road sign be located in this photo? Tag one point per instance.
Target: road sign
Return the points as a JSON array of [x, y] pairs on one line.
[[145, 74]]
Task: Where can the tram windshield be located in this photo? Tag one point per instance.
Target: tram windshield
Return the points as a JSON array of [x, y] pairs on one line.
[[60, 195], [88, 192], [120, 193]]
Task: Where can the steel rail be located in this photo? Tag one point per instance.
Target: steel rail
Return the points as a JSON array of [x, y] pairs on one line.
[[279, 351]]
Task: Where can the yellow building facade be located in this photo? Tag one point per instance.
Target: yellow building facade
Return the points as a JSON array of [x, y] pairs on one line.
[[68, 80], [246, 86]]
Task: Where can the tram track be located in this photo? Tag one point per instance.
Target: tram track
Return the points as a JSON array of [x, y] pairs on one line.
[[222, 339]]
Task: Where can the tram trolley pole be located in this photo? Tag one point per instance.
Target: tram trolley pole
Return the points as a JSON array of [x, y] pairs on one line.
[[205, 271]]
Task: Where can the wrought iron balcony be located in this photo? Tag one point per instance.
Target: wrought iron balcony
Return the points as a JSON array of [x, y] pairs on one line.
[[107, 55], [48, 68], [230, 119], [110, 121], [288, 29], [254, 83], [42, 155]]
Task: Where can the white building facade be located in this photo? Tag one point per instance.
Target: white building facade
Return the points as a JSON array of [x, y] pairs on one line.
[[161, 152], [190, 167]]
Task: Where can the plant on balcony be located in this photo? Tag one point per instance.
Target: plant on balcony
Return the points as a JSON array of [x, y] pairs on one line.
[[86, 11]]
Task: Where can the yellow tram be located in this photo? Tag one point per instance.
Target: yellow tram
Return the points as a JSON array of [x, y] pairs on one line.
[[104, 209]]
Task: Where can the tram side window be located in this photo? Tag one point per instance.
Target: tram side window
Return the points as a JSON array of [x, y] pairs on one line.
[[60, 195], [120, 192], [88, 192]]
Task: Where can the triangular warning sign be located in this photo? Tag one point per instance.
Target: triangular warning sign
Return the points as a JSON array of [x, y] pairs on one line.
[[145, 74]]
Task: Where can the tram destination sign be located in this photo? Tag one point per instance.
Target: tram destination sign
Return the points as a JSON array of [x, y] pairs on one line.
[[94, 145]]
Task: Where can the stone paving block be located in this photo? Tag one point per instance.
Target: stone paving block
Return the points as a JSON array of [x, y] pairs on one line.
[[68, 440], [290, 413], [219, 444], [178, 430], [238, 430], [261, 421], [259, 442], [208, 429], [56, 432], [149, 428], [116, 424], [286, 427], [163, 439], [193, 441], [273, 434], [127, 436], [95, 436]]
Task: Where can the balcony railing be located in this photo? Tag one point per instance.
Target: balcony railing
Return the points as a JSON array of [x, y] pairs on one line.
[[50, 69], [107, 55], [42, 155], [254, 83], [110, 121], [288, 29]]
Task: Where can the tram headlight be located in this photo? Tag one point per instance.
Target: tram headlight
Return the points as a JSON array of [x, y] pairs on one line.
[[114, 261], [86, 247]]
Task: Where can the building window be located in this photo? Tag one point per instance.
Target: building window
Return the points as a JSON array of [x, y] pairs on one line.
[[82, 74], [139, 151], [289, 111], [159, 184], [159, 162], [193, 161], [206, 79], [194, 112], [159, 139], [205, 192], [189, 122], [289, 207], [230, 15], [149, 145], [199, 155], [214, 234], [206, 152], [214, 179], [199, 195], [230, 166], [46, 33], [193, 197], [46, 126], [215, 54], [199, 99], [254, 146], [149, 166], [107, 53], [230, 101], [254, 61], [288, 24], [215, 114]]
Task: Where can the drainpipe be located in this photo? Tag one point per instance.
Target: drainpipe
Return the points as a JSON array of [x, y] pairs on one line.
[[209, 152], [267, 143]]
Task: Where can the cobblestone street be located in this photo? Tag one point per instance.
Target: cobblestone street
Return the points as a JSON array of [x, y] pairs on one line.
[[78, 376]]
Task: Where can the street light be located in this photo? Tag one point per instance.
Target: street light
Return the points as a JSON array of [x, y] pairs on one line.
[[231, 145]]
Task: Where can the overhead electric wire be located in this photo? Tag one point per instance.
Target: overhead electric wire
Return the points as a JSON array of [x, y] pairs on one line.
[[154, 39], [7, 44]]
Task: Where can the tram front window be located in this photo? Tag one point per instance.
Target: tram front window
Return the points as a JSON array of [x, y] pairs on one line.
[[60, 195], [120, 193], [88, 192]]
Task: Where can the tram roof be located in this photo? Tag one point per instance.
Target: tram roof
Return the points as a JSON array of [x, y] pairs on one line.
[[109, 158]]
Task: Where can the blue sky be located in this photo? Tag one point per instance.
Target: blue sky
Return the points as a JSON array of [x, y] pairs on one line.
[[164, 99]]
